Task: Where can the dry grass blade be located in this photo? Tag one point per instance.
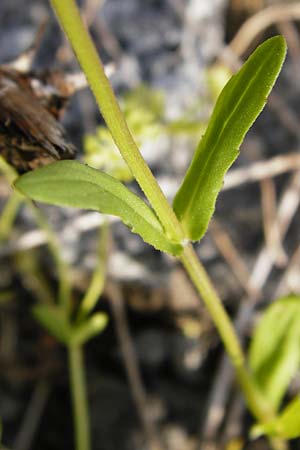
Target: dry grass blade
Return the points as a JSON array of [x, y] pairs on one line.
[[232, 257], [262, 169], [32, 417], [287, 208], [131, 366], [290, 31], [270, 224], [259, 22], [24, 61], [290, 280]]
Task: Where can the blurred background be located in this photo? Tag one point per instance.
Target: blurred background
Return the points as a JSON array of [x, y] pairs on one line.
[[157, 376]]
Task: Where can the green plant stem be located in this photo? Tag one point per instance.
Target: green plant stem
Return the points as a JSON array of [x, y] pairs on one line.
[[8, 215], [259, 408], [64, 294], [79, 398], [98, 278], [92, 66]]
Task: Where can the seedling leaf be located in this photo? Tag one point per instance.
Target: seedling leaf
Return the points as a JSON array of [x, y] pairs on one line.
[[274, 355], [69, 183], [54, 320], [239, 104], [288, 423], [285, 426], [88, 329]]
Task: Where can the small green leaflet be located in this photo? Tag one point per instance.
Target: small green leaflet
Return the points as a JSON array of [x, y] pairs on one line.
[[54, 319], [274, 355], [288, 423], [237, 107], [70, 183], [88, 329], [285, 426]]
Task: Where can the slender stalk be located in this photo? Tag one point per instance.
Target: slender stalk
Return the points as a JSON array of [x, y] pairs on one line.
[[61, 266], [64, 289], [202, 283], [96, 286], [79, 400], [9, 214], [92, 66]]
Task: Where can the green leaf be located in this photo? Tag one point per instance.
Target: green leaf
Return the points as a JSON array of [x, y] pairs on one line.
[[55, 321], [288, 423], [88, 329], [238, 106], [274, 355], [285, 426], [69, 183]]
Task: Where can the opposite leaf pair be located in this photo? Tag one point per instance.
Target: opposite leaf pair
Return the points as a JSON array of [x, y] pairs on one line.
[[69, 183]]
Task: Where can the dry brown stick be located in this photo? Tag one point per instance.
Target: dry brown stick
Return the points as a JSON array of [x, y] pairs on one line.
[[291, 34], [217, 401], [232, 257], [90, 13], [288, 206], [90, 10], [131, 365], [285, 114], [270, 224], [24, 61], [108, 39], [91, 17], [290, 280], [32, 417], [262, 169], [259, 22], [234, 422]]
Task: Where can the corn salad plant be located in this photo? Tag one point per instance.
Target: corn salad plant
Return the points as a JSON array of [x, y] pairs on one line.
[[173, 229]]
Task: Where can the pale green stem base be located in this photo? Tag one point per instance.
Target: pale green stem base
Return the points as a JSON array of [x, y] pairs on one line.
[[79, 398], [9, 214], [260, 409], [97, 282]]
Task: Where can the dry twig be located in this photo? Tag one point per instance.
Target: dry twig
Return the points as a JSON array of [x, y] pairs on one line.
[[270, 224], [131, 365], [262, 169], [259, 22], [232, 257], [290, 280], [32, 417]]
